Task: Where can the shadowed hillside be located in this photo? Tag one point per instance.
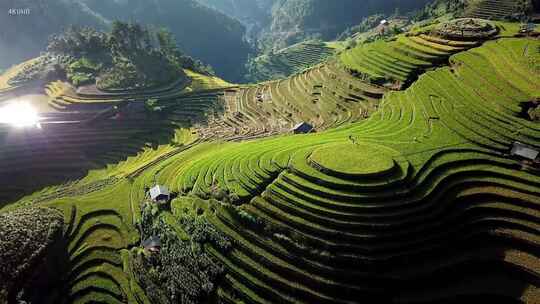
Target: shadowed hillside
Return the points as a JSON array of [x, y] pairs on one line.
[[201, 32]]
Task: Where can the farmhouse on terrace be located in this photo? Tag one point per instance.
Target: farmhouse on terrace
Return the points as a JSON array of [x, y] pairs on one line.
[[524, 151], [302, 128], [159, 193]]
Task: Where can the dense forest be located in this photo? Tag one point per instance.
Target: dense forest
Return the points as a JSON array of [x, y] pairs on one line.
[[130, 57], [23, 37]]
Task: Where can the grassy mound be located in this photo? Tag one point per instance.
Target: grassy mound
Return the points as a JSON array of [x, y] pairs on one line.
[[352, 160]]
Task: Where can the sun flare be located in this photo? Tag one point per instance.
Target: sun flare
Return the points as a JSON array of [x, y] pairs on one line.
[[19, 114]]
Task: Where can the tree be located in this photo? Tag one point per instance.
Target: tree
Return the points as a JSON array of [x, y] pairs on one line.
[[151, 105], [78, 41], [129, 38], [167, 42]]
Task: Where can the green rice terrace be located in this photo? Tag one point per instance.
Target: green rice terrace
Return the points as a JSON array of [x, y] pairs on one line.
[[288, 61], [407, 187], [495, 9]]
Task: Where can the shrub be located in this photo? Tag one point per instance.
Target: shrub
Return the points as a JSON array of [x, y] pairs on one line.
[[248, 218], [534, 113], [182, 272], [25, 235]]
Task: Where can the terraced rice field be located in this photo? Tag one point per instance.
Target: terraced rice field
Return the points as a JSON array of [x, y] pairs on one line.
[[401, 196], [325, 96], [492, 9], [88, 133], [288, 61], [328, 95], [5, 87], [397, 63], [444, 200]]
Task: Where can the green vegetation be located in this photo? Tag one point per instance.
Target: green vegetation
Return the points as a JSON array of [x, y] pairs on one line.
[[397, 62], [440, 8], [367, 24], [121, 60], [450, 139], [294, 21], [499, 9], [83, 71], [534, 113], [182, 271], [325, 96], [103, 129], [41, 68], [352, 160], [406, 187], [288, 61], [31, 253], [202, 32], [201, 82]]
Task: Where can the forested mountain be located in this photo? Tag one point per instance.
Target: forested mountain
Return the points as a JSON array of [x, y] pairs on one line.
[[202, 32], [24, 36], [254, 14], [296, 20]]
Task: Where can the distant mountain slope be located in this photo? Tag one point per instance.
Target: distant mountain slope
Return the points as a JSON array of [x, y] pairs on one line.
[[254, 14], [294, 20], [202, 32], [22, 37]]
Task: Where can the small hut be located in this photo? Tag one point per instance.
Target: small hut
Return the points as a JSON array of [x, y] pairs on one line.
[[303, 128], [524, 151], [382, 29], [159, 193], [152, 244]]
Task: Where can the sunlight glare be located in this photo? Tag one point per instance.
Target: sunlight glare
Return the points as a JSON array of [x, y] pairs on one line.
[[19, 114]]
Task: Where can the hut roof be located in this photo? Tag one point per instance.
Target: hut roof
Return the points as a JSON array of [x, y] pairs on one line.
[[152, 242], [303, 127], [524, 151], [158, 190]]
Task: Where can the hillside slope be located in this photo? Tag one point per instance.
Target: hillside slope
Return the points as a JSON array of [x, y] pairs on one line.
[[202, 32], [296, 20], [428, 197], [24, 36], [254, 15], [406, 193]]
